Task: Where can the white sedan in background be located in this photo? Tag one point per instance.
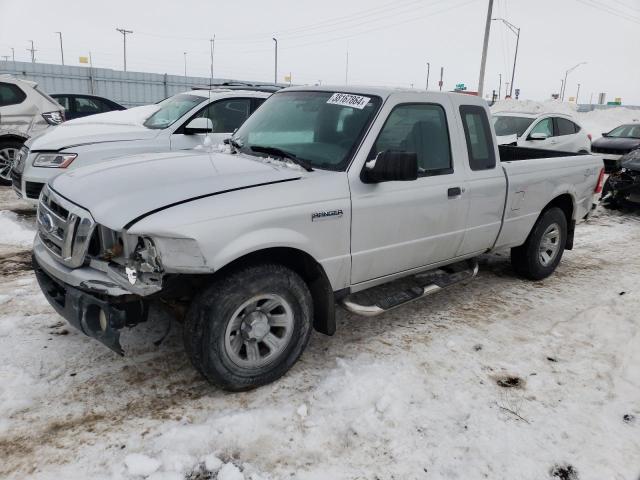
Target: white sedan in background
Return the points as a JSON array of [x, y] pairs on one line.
[[548, 131]]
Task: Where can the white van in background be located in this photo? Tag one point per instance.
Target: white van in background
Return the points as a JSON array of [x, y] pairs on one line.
[[24, 112]]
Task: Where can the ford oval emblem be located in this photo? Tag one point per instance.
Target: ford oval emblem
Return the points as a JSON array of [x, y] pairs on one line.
[[47, 222]]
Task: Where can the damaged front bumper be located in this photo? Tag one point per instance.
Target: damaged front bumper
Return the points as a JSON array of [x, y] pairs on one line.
[[88, 299]]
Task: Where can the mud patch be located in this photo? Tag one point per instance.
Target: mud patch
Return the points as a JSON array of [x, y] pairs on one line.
[[15, 262], [564, 472], [510, 381]]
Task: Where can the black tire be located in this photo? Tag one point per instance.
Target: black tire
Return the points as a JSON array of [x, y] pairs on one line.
[[527, 259], [610, 202], [6, 144], [211, 312]]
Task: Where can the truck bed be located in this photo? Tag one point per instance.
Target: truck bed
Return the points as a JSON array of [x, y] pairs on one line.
[[510, 153]]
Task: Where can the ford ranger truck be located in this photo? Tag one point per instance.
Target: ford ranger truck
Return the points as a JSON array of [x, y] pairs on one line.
[[323, 194]]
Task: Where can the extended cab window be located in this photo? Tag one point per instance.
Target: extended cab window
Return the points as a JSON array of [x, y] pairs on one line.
[[227, 115], [419, 128], [477, 133], [10, 94]]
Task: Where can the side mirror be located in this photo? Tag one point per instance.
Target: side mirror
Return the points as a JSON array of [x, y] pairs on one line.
[[538, 136], [604, 134], [391, 166], [199, 125]]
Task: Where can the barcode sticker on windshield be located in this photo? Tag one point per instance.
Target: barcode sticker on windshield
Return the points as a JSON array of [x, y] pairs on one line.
[[348, 100]]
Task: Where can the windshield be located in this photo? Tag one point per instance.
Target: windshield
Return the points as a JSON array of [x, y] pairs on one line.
[[508, 125], [171, 109], [625, 131], [321, 128]]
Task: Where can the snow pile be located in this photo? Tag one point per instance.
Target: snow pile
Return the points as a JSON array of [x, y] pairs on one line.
[[594, 122], [15, 232]]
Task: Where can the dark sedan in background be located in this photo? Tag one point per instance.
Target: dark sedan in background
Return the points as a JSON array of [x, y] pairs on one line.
[[79, 105], [616, 143]]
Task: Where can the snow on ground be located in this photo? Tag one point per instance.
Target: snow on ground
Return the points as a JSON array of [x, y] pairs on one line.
[[594, 122], [500, 378]]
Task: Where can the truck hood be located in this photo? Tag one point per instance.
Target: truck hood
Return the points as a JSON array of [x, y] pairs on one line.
[[124, 125], [123, 191]]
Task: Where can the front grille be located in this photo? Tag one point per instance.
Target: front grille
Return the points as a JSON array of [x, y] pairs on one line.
[[33, 189], [64, 228]]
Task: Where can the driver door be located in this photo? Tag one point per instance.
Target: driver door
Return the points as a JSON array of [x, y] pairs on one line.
[[398, 226], [226, 116]]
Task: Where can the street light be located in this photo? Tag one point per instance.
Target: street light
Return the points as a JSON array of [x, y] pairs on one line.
[[428, 69], [564, 88], [275, 75], [515, 30], [185, 64]]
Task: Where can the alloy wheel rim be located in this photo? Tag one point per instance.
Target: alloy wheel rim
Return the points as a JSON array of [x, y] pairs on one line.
[[259, 331], [7, 157], [549, 245]]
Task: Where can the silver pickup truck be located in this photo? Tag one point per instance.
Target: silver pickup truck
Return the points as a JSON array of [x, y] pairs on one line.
[[324, 193]]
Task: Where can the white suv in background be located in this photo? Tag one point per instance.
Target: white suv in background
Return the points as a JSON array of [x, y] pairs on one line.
[[549, 131], [179, 122], [24, 111]]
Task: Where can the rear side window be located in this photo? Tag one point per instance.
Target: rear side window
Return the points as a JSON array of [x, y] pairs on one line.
[[566, 127], [478, 136], [10, 94], [419, 128], [87, 106]]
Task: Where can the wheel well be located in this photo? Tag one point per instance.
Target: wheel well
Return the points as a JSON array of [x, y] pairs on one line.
[[12, 138], [565, 203], [311, 272]]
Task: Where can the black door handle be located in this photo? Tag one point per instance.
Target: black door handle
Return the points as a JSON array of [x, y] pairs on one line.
[[454, 192]]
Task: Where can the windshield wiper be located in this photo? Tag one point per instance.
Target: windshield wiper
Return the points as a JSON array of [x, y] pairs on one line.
[[284, 154]]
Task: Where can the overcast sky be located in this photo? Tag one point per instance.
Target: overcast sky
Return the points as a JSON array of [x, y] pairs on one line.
[[389, 43]]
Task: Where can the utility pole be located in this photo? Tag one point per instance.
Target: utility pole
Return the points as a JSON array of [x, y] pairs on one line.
[[13, 55], [213, 41], [506, 89], [561, 87], [428, 68], [500, 86], [346, 69], [275, 74], [591, 99], [564, 88], [485, 45], [441, 75], [516, 31], [5, 57], [185, 64], [33, 52], [124, 36], [61, 49], [577, 93]]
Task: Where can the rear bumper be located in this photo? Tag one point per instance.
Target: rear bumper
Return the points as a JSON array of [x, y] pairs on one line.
[[95, 314]]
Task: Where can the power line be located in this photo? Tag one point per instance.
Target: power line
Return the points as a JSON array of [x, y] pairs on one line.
[[610, 10]]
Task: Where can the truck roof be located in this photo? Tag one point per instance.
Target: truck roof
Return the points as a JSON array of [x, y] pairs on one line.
[[385, 92]]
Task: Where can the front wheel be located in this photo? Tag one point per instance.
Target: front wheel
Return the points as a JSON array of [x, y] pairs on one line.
[[8, 153], [541, 253], [249, 328]]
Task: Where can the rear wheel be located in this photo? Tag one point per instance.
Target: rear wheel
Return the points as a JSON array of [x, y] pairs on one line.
[[541, 253], [249, 328], [8, 152]]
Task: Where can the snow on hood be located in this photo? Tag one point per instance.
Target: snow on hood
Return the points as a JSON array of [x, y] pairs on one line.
[[594, 122], [121, 125], [121, 190]]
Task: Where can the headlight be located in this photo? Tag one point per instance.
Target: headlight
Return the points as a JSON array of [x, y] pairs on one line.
[[54, 160], [53, 118]]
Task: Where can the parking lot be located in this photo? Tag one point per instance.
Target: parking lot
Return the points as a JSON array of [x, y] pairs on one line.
[[497, 378]]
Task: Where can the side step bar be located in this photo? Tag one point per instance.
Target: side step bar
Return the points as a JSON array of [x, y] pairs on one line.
[[426, 284]]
